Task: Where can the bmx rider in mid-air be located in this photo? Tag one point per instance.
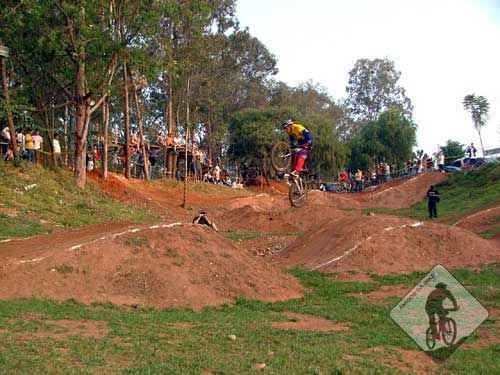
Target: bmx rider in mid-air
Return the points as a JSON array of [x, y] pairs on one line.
[[301, 141]]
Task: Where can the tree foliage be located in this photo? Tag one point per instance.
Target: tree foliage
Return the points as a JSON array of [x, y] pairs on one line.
[[479, 107], [253, 133], [453, 150], [373, 88], [389, 139]]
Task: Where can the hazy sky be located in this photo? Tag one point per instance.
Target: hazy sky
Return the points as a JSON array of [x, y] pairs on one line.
[[445, 49]]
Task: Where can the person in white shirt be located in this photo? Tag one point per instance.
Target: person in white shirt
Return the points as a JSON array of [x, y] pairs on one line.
[[5, 140], [217, 174], [57, 151], [37, 145], [441, 161], [20, 141]]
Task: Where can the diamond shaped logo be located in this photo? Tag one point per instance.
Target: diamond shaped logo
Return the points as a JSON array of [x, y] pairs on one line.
[[439, 313]]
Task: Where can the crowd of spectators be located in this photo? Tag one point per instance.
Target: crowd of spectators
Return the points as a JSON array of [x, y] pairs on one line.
[[358, 180], [30, 145]]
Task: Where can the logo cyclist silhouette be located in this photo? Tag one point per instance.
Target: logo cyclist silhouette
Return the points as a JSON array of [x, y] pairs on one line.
[[434, 306]]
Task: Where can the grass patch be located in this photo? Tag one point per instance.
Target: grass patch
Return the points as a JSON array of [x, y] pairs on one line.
[[140, 242], [490, 233], [205, 188], [11, 226], [180, 341], [64, 268], [50, 196]]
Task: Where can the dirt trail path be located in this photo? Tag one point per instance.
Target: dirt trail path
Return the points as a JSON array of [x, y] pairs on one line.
[[175, 263]]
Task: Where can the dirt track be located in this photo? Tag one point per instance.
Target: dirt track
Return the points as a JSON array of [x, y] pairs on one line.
[[187, 265]]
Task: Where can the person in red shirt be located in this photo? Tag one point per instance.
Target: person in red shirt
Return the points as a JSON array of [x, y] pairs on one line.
[[96, 155]]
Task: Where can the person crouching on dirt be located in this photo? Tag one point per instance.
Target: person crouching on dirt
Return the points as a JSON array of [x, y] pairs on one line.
[[202, 219], [301, 141], [433, 199]]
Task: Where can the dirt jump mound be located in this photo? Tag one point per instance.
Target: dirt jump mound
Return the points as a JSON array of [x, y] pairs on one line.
[[164, 266], [386, 245], [393, 195]]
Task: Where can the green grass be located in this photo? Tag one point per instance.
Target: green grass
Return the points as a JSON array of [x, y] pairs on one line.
[[461, 194], [37, 196], [180, 341], [490, 233], [205, 188], [12, 226]]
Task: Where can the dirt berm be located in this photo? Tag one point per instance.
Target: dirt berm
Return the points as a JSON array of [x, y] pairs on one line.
[[384, 244], [180, 266]]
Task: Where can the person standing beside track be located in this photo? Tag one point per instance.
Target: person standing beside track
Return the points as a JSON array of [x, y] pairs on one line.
[[433, 199]]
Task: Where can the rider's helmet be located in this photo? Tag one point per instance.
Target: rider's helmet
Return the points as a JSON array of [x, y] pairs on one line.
[[286, 123], [441, 285]]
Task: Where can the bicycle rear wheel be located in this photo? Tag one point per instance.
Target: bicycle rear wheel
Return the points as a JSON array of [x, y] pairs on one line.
[[281, 156], [298, 192], [449, 332]]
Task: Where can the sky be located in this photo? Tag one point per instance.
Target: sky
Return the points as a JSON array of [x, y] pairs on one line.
[[444, 49]]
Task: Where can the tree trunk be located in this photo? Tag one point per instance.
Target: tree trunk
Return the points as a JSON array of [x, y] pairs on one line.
[[127, 120], [105, 122], [143, 143], [66, 148], [480, 139], [184, 199], [82, 118], [10, 120], [81, 129], [171, 156], [50, 134]]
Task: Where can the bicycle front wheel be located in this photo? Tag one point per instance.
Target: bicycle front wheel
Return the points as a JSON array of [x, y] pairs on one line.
[[298, 192], [449, 331], [281, 156], [429, 339]]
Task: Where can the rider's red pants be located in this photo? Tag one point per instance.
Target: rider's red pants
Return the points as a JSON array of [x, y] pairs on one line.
[[299, 160]]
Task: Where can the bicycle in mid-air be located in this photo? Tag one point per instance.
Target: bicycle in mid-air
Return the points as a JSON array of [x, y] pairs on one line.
[[281, 156], [447, 329]]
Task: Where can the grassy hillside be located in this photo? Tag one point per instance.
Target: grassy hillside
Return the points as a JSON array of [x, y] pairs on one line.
[[462, 194], [34, 200]]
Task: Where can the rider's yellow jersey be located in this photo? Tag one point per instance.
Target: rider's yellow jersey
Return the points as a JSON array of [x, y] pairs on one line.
[[300, 134]]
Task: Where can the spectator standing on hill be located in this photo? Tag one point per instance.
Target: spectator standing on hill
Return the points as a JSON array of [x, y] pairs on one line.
[[358, 177], [471, 150], [352, 182], [28, 144], [152, 162], [37, 145], [57, 151], [9, 156], [20, 142], [387, 172], [433, 199], [441, 161], [96, 155], [5, 140], [217, 171]]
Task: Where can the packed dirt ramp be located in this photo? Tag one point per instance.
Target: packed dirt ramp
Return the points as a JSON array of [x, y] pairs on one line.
[[383, 244], [180, 266]]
